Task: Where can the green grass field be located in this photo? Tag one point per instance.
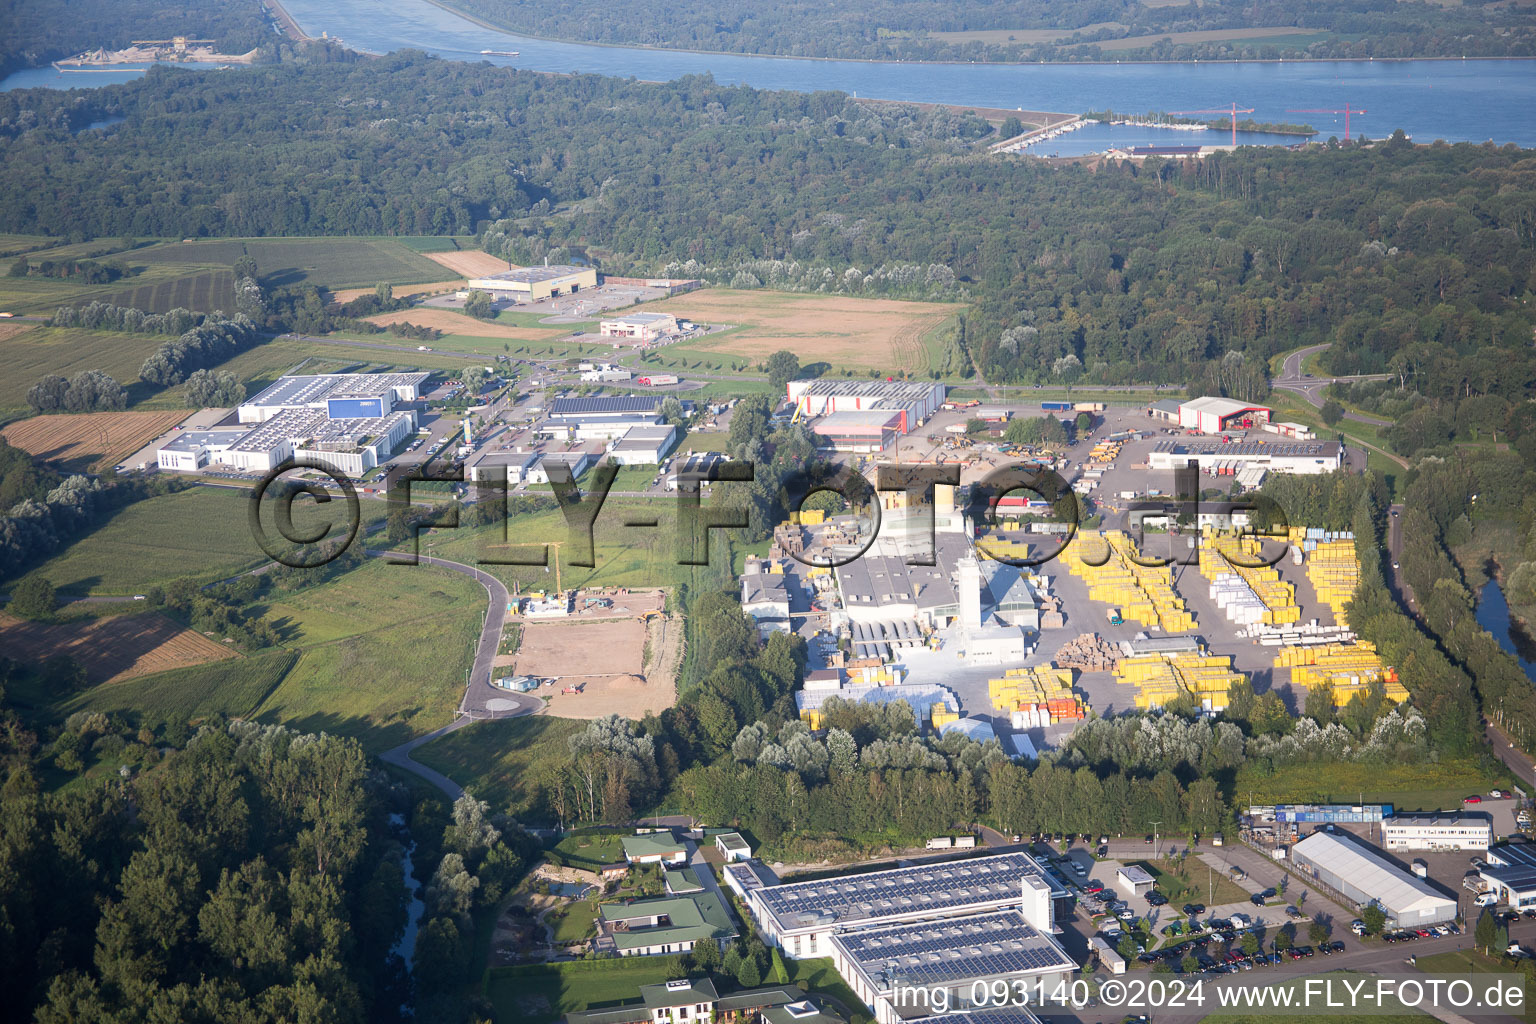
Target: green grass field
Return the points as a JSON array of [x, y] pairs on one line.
[[385, 685], [325, 262], [572, 922], [819, 977], [536, 993], [494, 759], [44, 295], [234, 687], [370, 597], [1193, 882], [589, 849], [28, 356], [14, 245], [1409, 787], [1468, 961]]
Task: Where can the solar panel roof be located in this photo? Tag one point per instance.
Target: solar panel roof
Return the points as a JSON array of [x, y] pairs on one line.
[[979, 946], [1513, 864]]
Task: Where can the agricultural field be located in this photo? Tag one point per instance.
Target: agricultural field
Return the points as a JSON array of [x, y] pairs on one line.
[[202, 291], [848, 333], [15, 245], [29, 351], [469, 263], [1408, 787], [43, 295], [344, 295], [232, 687], [382, 686], [200, 532], [450, 322], [497, 759], [323, 262], [93, 440], [112, 649]]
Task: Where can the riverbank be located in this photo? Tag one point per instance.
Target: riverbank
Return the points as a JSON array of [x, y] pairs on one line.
[[291, 27], [528, 34], [1492, 548]]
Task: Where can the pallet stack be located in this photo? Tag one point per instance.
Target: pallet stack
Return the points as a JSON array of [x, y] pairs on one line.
[[1088, 653], [1142, 593], [1333, 568], [1349, 669], [1162, 678], [1247, 592]]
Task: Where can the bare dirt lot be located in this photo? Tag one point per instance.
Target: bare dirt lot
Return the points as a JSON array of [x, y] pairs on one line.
[[449, 322], [838, 329], [468, 264], [112, 649], [97, 439], [605, 658], [400, 291]]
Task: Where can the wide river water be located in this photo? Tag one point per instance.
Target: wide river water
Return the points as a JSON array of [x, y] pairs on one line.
[[1455, 100]]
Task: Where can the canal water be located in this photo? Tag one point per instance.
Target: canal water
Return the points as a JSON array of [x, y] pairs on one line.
[[1493, 615], [1455, 100]]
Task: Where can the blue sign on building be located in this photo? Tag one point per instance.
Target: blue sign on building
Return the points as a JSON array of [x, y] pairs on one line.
[[354, 408]]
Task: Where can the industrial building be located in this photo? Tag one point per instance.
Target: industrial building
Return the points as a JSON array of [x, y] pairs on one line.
[[531, 284], [644, 327], [1213, 415], [664, 925], [1134, 880], [1316, 814], [643, 445], [490, 464], [338, 395], [916, 401], [1298, 457], [1166, 409], [1360, 873], [863, 432], [350, 446], [923, 699], [765, 597], [1437, 832], [908, 970], [1509, 872], [577, 462], [802, 918], [616, 407]]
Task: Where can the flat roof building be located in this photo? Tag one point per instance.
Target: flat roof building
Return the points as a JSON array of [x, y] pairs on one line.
[[1510, 872], [865, 431], [664, 925], [639, 326], [338, 395], [1134, 880], [531, 284], [489, 464], [643, 445], [1298, 457], [577, 462], [1437, 832], [696, 1001], [820, 397], [908, 970], [605, 407], [733, 847], [1362, 874]]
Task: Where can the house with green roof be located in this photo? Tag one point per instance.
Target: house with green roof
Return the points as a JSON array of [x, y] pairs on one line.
[[654, 848], [664, 925]]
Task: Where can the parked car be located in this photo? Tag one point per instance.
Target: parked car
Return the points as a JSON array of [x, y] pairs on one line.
[[1269, 893], [1357, 926], [1156, 899], [1473, 799]]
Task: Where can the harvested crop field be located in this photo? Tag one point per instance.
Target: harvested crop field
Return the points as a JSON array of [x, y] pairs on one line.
[[403, 291], [844, 331], [449, 322], [471, 263], [90, 439], [11, 329], [113, 649]]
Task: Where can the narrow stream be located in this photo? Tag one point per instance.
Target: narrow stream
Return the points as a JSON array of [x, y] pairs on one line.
[[406, 947]]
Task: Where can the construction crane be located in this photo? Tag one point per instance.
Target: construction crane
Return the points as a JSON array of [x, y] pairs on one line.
[[1234, 111], [1346, 112]]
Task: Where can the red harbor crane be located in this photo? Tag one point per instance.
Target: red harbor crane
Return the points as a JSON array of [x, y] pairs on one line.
[[1346, 112], [1234, 111]]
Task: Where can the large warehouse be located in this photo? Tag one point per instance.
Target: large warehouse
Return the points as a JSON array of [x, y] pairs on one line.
[[862, 432], [916, 400], [945, 960], [1510, 872], [1213, 415], [639, 326], [1437, 832], [530, 284], [801, 918], [338, 395], [1298, 457], [1349, 866]]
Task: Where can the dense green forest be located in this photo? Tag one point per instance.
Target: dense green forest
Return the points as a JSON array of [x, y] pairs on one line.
[[902, 29], [1196, 273], [34, 32]]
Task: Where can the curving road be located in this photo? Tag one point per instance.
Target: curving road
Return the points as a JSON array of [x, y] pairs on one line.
[[1311, 388]]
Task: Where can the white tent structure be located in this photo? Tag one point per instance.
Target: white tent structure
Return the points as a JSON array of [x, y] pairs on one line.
[[1364, 875]]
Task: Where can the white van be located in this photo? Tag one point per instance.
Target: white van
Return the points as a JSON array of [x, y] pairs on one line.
[[1486, 899]]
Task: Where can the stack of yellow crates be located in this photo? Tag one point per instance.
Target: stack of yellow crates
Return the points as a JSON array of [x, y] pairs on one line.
[[940, 715], [1334, 570], [1036, 685], [1143, 594], [1161, 678], [1001, 547], [1348, 668], [1227, 553]]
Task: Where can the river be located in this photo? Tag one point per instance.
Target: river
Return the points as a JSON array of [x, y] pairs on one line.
[[1456, 100], [1493, 615]]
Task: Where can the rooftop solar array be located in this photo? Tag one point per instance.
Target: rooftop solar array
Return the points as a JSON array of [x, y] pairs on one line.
[[917, 889], [1513, 864], [1275, 449], [529, 275], [309, 389], [982, 946], [616, 405], [1000, 1015]]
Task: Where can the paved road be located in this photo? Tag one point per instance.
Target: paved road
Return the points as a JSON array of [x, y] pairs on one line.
[[400, 757], [1311, 388]]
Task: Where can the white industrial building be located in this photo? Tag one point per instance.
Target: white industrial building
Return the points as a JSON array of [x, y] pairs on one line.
[[765, 598], [1437, 832], [1214, 415], [801, 918], [577, 462], [1298, 457], [639, 326], [491, 463], [915, 400], [643, 445], [909, 969], [531, 284], [1134, 880], [616, 407], [350, 446], [1360, 873], [1509, 872], [338, 395]]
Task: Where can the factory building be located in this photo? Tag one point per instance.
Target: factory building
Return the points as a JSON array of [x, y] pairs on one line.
[[643, 327], [338, 395], [907, 970], [643, 445], [1298, 457], [489, 464], [1437, 832], [916, 400], [863, 432], [802, 918], [617, 408], [577, 462], [350, 446], [923, 699], [531, 284], [1348, 866], [1510, 873], [1166, 409], [1214, 415], [765, 598]]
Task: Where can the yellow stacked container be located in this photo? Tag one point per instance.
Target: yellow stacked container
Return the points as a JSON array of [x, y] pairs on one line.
[[1160, 678], [1334, 570], [1239, 555], [1349, 669], [941, 715], [1142, 594]]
